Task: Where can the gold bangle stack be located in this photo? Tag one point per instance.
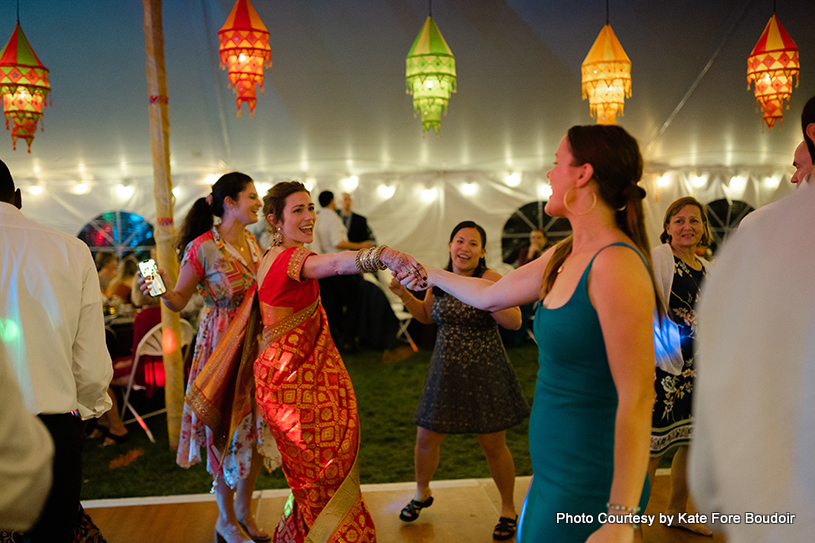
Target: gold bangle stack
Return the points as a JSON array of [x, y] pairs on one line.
[[367, 260]]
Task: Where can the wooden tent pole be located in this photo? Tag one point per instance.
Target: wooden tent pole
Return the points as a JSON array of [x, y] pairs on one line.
[[162, 192]]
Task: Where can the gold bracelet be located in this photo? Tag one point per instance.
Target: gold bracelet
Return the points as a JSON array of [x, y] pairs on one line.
[[378, 259], [367, 260], [357, 262], [624, 509]]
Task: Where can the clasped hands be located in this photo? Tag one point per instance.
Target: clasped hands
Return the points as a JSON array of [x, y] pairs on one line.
[[405, 269]]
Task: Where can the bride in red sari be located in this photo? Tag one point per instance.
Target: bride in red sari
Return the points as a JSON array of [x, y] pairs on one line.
[[303, 390]]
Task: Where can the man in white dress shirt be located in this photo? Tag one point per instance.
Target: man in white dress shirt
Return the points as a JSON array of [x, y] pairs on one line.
[[754, 434], [339, 293], [53, 331]]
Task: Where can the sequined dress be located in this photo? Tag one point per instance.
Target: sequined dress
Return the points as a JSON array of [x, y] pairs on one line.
[[471, 387]]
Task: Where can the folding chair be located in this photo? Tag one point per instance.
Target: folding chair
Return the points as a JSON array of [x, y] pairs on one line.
[[405, 318], [150, 345]]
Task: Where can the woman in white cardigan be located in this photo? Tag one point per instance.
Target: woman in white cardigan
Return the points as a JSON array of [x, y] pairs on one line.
[[679, 273]]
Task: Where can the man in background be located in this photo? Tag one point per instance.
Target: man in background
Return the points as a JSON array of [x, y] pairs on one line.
[[54, 341], [754, 424], [802, 163], [339, 293], [355, 224]]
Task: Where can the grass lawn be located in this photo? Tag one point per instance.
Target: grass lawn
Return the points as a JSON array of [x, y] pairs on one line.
[[387, 395]]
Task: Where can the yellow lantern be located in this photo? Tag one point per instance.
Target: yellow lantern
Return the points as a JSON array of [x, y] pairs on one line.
[[772, 66], [606, 77]]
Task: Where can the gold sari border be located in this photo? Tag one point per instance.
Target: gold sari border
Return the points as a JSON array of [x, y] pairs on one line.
[[207, 413], [296, 262], [275, 331], [209, 396], [338, 507]]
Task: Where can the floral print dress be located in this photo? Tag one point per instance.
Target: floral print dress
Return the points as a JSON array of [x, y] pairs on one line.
[[225, 278], [672, 422]]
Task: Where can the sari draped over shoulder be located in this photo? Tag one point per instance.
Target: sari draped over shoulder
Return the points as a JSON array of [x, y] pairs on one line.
[[304, 393], [221, 394]]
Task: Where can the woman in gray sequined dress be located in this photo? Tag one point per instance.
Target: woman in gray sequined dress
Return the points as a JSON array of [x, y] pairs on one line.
[[471, 387]]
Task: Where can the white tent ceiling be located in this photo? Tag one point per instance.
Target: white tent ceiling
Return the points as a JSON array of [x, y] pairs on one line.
[[335, 103]]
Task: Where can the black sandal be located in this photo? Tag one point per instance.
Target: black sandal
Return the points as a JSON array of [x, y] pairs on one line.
[[505, 528], [411, 510]]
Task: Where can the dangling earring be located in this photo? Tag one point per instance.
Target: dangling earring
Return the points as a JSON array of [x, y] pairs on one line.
[[277, 238], [572, 211]]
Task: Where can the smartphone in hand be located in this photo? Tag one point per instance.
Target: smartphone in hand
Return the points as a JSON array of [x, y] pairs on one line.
[[149, 270]]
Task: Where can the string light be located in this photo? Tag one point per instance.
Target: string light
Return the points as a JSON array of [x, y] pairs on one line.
[[512, 179]]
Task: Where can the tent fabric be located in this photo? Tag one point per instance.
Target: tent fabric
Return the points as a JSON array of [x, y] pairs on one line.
[[335, 105]]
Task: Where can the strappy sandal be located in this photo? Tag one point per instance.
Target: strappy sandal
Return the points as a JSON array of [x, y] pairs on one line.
[[505, 528], [411, 510], [258, 537]]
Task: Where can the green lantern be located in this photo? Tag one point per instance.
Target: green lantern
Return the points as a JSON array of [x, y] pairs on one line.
[[431, 75]]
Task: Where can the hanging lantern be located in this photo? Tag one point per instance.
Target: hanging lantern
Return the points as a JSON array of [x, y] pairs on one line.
[[430, 75], [606, 76], [772, 66], [24, 86], [244, 51]]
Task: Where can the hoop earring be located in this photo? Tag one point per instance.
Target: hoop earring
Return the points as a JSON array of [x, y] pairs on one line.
[[277, 238], [572, 211]]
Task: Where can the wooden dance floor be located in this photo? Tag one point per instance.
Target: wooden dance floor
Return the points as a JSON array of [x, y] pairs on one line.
[[464, 511]]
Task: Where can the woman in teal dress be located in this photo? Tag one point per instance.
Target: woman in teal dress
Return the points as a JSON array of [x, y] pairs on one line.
[[590, 426]]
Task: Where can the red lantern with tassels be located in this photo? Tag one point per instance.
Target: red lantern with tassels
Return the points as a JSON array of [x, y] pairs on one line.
[[772, 66], [244, 52], [24, 86]]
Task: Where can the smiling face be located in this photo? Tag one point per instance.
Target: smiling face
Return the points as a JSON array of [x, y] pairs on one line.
[[685, 227], [245, 208], [297, 224], [465, 251]]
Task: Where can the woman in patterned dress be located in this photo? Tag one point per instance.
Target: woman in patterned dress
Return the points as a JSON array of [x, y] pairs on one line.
[[303, 389], [471, 387], [679, 273], [221, 261]]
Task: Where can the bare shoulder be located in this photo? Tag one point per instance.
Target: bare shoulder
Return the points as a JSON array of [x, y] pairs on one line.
[[619, 267]]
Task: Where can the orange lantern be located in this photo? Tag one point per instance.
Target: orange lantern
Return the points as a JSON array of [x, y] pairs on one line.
[[606, 77], [772, 66], [24, 86], [244, 51]]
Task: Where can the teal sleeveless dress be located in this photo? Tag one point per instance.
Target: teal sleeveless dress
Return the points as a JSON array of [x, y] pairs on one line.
[[571, 428]]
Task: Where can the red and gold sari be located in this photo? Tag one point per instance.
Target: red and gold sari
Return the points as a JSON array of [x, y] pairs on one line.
[[304, 393]]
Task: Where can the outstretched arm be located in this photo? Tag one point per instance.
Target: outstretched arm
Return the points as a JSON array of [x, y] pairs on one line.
[[509, 318], [519, 287], [345, 263]]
